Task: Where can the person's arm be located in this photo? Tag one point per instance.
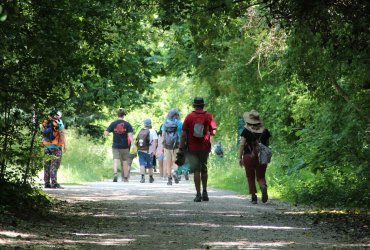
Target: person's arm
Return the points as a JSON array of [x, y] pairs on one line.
[[130, 137], [241, 150], [182, 140], [106, 133], [63, 137], [155, 143]]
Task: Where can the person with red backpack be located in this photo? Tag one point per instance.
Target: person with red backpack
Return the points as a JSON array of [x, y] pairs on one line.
[[253, 134], [122, 137], [197, 131], [54, 141]]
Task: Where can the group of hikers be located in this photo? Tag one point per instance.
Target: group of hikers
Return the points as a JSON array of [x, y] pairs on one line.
[[178, 147]]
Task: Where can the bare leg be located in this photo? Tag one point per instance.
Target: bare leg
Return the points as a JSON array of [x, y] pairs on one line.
[[197, 181], [161, 170], [115, 164], [204, 181], [125, 168]]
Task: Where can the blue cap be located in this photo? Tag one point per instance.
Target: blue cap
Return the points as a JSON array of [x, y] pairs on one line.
[[147, 122]]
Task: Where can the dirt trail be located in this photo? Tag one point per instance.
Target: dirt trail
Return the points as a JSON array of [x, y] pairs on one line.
[[156, 216]]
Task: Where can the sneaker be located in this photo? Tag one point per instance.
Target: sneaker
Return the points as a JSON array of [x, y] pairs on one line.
[[151, 179], [115, 178], [254, 199], [142, 179], [56, 185], [186, 176], [198, 198], [205, 196], [169, 183], [47, 185], [265, 196], [125, 179]]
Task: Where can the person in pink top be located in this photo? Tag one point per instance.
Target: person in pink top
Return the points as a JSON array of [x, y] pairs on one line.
[[197, 131]]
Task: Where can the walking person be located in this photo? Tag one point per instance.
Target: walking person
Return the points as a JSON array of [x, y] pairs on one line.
[[54, 141], [171, 140], [122, 136], [253, 133], [197, 131], [146, 142]]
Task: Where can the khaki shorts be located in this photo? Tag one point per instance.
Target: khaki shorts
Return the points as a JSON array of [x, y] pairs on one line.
[[170, 154], [120, 153]]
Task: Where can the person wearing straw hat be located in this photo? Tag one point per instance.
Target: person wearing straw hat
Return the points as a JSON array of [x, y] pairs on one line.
[[253, 132]]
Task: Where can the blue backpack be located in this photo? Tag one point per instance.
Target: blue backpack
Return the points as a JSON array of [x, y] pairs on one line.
[[170, 135]]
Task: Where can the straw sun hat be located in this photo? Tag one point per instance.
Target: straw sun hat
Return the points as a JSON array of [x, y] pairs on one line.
[[253, 121]]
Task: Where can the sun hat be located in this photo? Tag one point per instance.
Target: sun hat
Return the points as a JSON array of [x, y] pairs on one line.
[[147, 122], [253, 121], [198, 101]]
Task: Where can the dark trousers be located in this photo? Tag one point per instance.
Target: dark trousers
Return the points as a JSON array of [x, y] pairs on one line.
[[253, 171]]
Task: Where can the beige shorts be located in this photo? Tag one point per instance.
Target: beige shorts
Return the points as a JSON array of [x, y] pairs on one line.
[[120, 153], [170, 154]]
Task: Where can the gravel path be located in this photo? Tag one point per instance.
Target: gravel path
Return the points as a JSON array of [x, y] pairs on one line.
[[156, 216]]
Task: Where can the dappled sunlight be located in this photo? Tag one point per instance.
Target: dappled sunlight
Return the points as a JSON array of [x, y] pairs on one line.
[[270, 227], [13, 234], [212, 225], [244, 244], [229, 196], [101, 242]]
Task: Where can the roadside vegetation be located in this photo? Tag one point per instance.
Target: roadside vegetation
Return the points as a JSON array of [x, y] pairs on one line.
[[303, 65]]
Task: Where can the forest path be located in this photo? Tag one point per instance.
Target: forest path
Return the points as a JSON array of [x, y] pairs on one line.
[[156, 216]]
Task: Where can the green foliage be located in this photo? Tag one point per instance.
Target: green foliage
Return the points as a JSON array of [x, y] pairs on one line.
[[80, 57], [22, 198], [305, 71], [85, 160]]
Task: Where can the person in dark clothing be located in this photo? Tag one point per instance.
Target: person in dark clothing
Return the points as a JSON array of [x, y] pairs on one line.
[[253, 133], [122, 137]]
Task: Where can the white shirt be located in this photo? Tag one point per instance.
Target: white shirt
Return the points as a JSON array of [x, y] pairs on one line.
[[152, 136]]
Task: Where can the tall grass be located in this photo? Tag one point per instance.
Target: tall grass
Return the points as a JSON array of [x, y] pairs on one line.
[[84, 160]]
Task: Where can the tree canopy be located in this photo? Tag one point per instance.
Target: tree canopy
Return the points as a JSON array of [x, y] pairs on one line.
[[304, 65]]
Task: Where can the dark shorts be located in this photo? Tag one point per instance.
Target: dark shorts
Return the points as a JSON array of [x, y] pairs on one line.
[[145, 159], [198, 161]]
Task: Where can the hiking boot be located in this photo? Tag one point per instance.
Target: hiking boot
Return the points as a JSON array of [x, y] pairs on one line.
[[205, 196], [176, 178], [254, 199], [265, 196], [142, 179], [186, 176], [115, 178], [151, 179], [169, 183], [125, 179], [198, 198], [47, 185], [56, 185]]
